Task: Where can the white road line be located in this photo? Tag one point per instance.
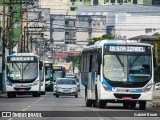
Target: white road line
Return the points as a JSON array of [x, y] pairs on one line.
[[25, 109], [10, 118], [38, 100], [29, 106]]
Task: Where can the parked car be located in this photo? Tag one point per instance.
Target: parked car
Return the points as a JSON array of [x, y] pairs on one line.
[[157, 86], [66, 87]]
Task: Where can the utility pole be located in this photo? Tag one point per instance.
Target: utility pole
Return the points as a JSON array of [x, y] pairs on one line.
[[3, 49], [11, 15]]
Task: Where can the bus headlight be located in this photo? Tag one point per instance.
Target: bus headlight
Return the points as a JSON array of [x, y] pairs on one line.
[[59, 88], [148, 88], [36, 83], [105, 87], [8, 84]]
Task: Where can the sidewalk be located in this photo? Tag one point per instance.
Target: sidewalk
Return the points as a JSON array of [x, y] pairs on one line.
[[2, 94], [156, 99]]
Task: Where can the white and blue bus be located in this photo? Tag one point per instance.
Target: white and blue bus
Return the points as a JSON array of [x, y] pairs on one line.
[[42, 77], [48, 75], [23, 74], [118, 72]]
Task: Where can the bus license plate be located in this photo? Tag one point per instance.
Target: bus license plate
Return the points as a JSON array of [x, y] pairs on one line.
[[22, 90], [127, 98]]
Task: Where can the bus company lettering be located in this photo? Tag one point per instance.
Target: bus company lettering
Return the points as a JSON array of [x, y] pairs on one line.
[[126, 49]]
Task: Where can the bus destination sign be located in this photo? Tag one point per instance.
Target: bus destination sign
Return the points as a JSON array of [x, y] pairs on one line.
[[127, 49], [21, 58]]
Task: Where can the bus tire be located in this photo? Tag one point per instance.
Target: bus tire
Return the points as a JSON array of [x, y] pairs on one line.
[[126, 105], [14, 95], [142, 105], [38, 94], [133, 104], [9, 95], [102, 104], [57, 96], [88, 102], [76, 96]]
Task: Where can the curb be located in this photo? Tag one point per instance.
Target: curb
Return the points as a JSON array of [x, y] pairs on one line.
[[154, 103]]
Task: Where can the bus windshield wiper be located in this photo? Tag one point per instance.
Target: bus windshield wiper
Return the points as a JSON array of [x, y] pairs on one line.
[[120, 61], [17, 66], [131, 64], [26, 66]]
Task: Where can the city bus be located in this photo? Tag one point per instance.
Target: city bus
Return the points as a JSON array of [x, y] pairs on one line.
[[48, 75], [118, 72], [58, 72], [23, 74], [42, 77]]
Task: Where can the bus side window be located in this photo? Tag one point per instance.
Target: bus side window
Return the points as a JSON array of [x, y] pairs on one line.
[[99, 59], [90, 63]]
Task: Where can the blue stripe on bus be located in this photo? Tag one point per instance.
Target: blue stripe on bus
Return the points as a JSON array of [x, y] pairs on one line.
[[9, 82], [12, 55], [112, 43], [107, 84]]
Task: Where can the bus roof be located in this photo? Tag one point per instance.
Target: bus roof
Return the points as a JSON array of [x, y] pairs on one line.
[[23, 54], [99, 44], [48, 62]]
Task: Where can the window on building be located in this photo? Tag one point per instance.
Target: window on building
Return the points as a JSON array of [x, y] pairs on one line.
[[110, 30], [95, 2], [134, 1], [72, 8], [155, 2], [112, 1], [66, 33], [72, 0], [67, 22], [148, 30], [120, 1]]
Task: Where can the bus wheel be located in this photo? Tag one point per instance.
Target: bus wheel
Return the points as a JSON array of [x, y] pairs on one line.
[[38, 94], [88, 102], [94, 103], [142, 105], [76, 96], [102, 104], [133, 105], [126, 105], [9, 95], [57, 96], [14, 95]]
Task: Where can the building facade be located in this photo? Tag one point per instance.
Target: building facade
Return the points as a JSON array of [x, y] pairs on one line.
[[127, 21]]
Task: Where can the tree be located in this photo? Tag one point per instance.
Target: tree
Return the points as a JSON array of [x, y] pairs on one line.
[[104, 37]]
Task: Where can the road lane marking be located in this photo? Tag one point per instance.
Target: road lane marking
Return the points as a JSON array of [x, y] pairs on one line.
[[10, 118], [25, 109], [38, 100]]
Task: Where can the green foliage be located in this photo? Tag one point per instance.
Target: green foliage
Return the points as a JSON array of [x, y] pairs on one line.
[[104, 37]]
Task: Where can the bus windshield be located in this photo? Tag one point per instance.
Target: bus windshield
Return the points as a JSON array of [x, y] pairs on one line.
[[127, 68], [24, 71], [58, 74], [48, 73]]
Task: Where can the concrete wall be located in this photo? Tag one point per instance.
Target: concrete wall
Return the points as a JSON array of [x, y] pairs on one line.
[[56, 6]]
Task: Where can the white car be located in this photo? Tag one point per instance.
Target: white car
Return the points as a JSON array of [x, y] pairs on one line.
[[66, 87], [157, 86]]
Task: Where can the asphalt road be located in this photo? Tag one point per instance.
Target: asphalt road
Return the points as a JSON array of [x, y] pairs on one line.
[[68, 107]]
